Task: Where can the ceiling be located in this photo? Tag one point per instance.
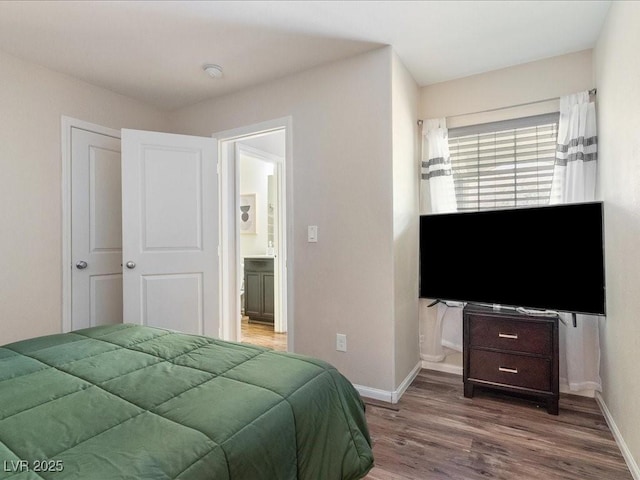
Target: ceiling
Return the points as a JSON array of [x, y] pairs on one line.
[[154, 50]]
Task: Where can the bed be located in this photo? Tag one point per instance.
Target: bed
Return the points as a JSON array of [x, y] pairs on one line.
[[134, 402]]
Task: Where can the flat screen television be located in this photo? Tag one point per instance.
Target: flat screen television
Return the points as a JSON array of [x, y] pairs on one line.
[[546, 258]]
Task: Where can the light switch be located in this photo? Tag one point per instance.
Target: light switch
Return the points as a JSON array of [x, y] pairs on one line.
[[312, 233]]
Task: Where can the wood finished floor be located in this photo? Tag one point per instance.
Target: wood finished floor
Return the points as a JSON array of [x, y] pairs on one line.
[[438, 434], [434, 433], [263, 335]]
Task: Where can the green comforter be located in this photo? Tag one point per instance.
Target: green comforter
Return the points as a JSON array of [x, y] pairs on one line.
[[134, 402]]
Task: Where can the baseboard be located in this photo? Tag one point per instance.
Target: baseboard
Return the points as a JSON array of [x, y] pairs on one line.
[[387, 395], [624, 449], [441, 367], [395, 396], [374, 393]]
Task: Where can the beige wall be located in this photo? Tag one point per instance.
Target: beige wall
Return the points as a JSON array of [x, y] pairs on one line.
[[405, 219], [341, 116], [359, 279], [530, 82], [617, 73], [32, 100], [458, 100]]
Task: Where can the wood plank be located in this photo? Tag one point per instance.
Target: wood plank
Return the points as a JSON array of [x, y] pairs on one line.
[[263, 335], [438, 434]]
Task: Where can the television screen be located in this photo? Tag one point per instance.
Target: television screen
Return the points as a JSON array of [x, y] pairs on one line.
[[548, 258]]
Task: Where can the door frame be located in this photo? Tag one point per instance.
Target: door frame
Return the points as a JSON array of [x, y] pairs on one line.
[[67, 125], [230, 234]]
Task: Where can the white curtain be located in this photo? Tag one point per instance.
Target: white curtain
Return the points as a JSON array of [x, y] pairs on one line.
[[574, 180], [437, 177], [437, 180], [574, 174]]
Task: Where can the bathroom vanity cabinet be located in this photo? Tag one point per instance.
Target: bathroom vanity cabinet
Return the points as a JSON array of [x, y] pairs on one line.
[[259, 289]]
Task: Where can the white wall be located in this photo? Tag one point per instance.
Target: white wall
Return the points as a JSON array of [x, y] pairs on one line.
[[254, 179], [32, 100], [617, 73], [273, 143], [458, 100], [406, 172], [342, 182]]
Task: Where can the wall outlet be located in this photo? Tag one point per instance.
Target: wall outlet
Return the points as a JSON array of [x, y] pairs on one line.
[[341, 342]]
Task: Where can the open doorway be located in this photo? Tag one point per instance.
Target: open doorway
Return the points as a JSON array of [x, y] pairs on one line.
[[258, 159], [255, 283]]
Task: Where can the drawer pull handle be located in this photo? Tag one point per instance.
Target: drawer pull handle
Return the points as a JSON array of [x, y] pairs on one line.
[[513, 336], [507, 370]]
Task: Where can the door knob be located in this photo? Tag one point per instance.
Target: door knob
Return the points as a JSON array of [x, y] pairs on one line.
[[131, 265], [81, 265]]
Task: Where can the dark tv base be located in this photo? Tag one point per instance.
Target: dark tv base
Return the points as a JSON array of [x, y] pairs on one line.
[[512, 352]]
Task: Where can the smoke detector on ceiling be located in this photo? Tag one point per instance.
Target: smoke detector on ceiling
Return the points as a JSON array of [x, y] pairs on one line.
[[214, 71]]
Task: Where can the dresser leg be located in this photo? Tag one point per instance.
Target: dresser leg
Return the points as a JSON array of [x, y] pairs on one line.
[[552, 406], [468, 390]]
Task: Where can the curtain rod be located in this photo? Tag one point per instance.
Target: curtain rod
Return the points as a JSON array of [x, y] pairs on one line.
[[593, 91]]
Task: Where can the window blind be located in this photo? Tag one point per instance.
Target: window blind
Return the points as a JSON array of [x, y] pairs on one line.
[[504, 164]]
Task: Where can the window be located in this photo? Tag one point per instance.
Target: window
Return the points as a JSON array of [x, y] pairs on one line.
[[504, 164]]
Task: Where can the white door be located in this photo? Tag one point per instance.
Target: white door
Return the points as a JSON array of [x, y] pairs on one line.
[[96, 230], [170, 231]]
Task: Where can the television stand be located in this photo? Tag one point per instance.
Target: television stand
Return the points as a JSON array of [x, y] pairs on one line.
[[511, 351]]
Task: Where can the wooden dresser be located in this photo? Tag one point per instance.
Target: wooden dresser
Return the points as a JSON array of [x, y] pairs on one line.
[[511, 351]]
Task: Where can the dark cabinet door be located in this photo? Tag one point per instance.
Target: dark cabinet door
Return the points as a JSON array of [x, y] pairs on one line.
[[253, 299], [259, 301]]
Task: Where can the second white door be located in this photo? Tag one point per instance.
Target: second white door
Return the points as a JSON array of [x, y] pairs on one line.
[[96, 230], [170, 231]]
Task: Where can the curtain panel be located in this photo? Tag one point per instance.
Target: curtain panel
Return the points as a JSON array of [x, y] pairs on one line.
[[574, 180], [574, 173], [438, 195], [437, 176]]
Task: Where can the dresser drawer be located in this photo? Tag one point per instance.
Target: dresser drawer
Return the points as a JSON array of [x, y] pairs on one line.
[[510, 369], [512, 335]]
